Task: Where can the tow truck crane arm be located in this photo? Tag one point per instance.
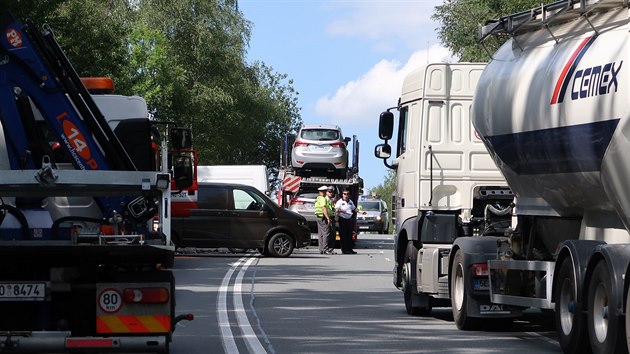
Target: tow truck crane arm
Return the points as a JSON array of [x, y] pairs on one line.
[[33, 65]]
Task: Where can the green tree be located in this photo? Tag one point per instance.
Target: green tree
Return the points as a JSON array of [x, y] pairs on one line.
[[385, 192], [460, 20], [196, 75], [92, 33], [187, 59]]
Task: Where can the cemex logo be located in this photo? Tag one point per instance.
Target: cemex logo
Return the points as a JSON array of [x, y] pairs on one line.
[[587, 82]]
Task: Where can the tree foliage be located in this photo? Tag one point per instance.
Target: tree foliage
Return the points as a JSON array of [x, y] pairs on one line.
[[187, 59], [460, 20]]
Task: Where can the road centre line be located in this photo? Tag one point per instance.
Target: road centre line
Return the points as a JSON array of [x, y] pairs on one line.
[[227, 339], [251, 340]]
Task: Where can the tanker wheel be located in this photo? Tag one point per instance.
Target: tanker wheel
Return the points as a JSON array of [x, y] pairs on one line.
[[459, 295], [409, 285], [628, 315], [569, 322], [603, 324]]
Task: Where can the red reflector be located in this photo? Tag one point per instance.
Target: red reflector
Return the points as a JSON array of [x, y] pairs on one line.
[[338, 145], [480, 270], [89, 343], [146, 295]]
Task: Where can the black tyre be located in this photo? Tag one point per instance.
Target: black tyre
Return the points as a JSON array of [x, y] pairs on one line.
[[604, 327], [570, 324], [176, 240], [280, 245], [411, 296], [263, 251], [627, 316], [459, 294]]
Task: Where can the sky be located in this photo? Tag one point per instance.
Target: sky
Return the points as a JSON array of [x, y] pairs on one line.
[[347, 59]]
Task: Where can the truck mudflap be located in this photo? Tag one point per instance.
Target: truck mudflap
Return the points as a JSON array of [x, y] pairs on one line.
[[479, 305], [63, 342]]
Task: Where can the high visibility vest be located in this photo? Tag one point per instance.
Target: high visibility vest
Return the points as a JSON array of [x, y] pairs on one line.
[[331, 208], [320, 202]]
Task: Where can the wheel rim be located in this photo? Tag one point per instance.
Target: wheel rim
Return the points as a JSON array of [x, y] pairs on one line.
[[566, 301], [458, 291], [600, 313], [281, 245]]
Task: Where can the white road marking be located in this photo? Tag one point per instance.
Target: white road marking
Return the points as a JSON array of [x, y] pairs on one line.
[[544, 338], [227, 339], [251, 340]]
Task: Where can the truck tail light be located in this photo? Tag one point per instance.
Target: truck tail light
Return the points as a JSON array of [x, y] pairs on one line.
[[146, 295], [338, 144], [480, 270], [90, 343]]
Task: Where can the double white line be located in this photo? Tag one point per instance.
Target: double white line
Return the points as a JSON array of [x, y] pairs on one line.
[[227, 338]]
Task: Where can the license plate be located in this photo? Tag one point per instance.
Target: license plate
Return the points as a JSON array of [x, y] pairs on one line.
[[22, 291], [318, 148], [364, 227], [481, 284]]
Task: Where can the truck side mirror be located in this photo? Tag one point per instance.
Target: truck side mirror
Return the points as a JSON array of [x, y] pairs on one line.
[[182, 171], [383, 151], [181, 138], [386, 125]]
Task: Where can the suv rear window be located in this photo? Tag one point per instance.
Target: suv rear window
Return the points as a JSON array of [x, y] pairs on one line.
[[371, 206], [320, 134]]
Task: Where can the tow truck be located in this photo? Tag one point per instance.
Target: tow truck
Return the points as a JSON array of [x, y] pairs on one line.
[[85, 207]]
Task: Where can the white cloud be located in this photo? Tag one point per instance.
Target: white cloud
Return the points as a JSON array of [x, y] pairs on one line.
[[381, 22], [376, 90]]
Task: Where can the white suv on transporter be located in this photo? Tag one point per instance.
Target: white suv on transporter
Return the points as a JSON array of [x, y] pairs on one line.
[[320, 149]]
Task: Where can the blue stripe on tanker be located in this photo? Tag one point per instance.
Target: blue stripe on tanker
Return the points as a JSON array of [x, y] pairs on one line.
[[576, 148]]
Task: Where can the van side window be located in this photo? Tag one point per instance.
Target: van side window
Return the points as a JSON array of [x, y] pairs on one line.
[[211, 197], [244, 200]]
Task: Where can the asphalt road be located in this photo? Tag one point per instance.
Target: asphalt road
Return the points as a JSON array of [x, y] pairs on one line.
[[312, 303]]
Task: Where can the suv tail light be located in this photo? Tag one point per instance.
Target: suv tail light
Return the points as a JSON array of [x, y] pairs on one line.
[[338, 144], [297, 201], [300, 143]]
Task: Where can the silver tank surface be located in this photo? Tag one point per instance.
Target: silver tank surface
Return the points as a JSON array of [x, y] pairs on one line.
[[554, 116]]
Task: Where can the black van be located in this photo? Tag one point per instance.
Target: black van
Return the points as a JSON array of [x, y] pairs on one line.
[[240, 216]]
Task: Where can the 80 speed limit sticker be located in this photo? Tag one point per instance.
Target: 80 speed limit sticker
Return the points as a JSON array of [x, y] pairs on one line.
[[110, 300]]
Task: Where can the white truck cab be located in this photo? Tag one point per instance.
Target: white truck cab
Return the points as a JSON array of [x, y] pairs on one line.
[[446, 182]]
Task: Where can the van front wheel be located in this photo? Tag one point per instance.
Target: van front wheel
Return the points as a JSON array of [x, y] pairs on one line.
[[280, 245]]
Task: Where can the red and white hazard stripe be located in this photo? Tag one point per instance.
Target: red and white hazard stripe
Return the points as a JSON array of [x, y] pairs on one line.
[[291, 184]]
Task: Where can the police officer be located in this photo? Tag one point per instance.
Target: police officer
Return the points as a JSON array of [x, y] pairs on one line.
[[323, 220], [345, 210], [332, 212]]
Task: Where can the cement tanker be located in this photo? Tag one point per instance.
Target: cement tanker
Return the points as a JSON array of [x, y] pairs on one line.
[[552, 108]]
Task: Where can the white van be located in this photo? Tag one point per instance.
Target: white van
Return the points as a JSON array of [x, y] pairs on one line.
[[251, 175]]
